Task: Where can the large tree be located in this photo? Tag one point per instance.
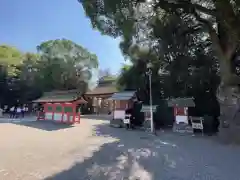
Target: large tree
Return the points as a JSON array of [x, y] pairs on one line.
[[10, 57], [59, 64], [66, 65], [18, 76], [216, 19]]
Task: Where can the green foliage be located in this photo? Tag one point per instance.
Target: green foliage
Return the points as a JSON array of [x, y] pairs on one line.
[[10, 57], [192, 68], [68, 51], [59, 64], [147, 22], [65, 65]]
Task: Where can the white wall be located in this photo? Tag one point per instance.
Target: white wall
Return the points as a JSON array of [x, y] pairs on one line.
[[183, 119], [119, 114]]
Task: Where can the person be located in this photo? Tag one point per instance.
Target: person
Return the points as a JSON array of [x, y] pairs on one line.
[[26, 109], [19, 110], [12, 112], [23, 111], [1, 112]]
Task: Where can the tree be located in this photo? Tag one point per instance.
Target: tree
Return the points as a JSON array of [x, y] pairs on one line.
[[65, 64], [216, 19], [27, 80], [133, 78], [60, 64], [10, 57]]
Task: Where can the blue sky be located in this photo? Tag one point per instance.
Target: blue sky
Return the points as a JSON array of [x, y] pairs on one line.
[[25, 24]]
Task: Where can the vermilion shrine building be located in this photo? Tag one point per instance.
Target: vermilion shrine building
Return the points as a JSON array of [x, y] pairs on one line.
[[122, 101], [180, 106], [64, 106], [61, 106]]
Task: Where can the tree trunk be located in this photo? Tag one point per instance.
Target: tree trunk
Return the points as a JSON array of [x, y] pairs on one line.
[[229, 130], [225, 45]]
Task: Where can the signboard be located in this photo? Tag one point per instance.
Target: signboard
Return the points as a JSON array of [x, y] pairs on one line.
[[197, 122], [197, 126], [126, 120]]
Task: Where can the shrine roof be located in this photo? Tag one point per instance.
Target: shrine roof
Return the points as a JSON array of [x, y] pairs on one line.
[[60, 96], [181, 102], [125, 95], [106, 86], [102, 90], [147, 108]]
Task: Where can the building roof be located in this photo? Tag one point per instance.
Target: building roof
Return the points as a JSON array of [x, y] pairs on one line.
[[181, 102], [60, 96], [102, 90], [147, 108], [106, 86], [125, 95]]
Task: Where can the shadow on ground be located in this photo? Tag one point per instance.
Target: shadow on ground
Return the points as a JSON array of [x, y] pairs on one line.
[[136, 155], [103, 117], [44, 125]]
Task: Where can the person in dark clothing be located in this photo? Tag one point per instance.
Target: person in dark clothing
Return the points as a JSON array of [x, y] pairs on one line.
[[12, 112], [23, 111], [129, 111]]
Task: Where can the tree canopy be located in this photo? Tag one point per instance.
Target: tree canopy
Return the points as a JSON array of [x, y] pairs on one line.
[[10, 57], [134, 22], [58, 65], [66, 65], [194, 41]]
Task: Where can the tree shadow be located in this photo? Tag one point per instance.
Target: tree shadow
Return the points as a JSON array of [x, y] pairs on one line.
[[128, 157], [103, 117], [103, 165], [136, 155], [44, 125]]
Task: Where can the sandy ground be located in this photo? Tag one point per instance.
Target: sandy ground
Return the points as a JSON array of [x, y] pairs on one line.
[[93, 150], [36, 150]]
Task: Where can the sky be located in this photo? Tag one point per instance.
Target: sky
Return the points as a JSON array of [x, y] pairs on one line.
[[25, 24]]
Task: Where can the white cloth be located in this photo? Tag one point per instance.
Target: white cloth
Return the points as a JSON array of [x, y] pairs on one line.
[[12, 109], [19, 110]]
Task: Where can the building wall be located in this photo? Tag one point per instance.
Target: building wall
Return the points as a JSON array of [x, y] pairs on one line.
[[102, 105], [123, 104]]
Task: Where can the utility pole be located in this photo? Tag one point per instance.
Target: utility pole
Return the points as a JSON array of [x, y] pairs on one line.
[[149, 73]]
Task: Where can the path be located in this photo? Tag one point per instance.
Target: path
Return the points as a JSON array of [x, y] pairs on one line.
[[93, 150]]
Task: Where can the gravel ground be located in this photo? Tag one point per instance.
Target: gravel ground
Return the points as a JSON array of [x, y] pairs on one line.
[[93, 150]]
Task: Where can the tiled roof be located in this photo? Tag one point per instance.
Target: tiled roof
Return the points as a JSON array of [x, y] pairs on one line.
[[60, 96], [126, 95], [102, 90], [147, 108], [181, 102]]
